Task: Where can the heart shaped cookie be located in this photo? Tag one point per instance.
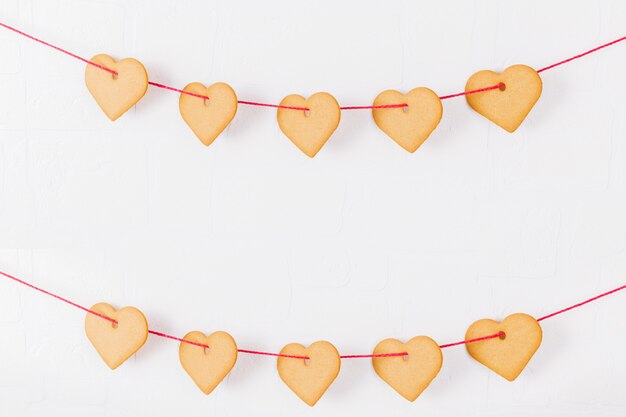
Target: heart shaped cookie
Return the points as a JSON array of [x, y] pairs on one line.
[[208, 367], [208, 118], [409, 375], [309, 129], [116, 342], [507, 355], [411, 125], [508, 105], [309, 379], [115, 94]]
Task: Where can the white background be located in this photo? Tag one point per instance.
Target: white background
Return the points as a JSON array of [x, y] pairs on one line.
[[361, 243]]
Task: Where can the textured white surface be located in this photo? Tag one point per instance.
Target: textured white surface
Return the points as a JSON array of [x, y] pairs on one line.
[[361, 243]]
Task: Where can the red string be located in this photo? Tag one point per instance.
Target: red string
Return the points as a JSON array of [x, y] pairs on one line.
[[278, 106], [278, 355], [57, 48], [478, 339], [565, 61], [65, 300], [478, 90], [582, 303], [167, 87], [258, 352], [380, 106], [374, 355]]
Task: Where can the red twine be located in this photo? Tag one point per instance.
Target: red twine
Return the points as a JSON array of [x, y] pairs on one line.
[[258, 352], [19, 32], [278, 106], [65, 300]]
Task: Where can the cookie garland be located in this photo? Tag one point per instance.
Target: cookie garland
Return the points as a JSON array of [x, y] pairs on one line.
[[504, 347], [408, 119], [504, 98]]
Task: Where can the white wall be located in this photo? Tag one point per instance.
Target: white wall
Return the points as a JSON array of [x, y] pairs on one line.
[[361, 243]]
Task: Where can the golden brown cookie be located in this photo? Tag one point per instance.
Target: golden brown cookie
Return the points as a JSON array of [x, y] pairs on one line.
[[509, 105], [309, 130], [208, 118], [309, 379], [115, 94], [408, 126], [116, 342], [208, 367], [506, 355], [409, 375]]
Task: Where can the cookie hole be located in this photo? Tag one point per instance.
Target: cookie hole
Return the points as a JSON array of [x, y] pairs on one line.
[[114, 324], [114, 75], [405, 357], [206, 350], [502, 335], [502, 86], [307, 113], [206, 101], [307, 361], [405, 108]]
